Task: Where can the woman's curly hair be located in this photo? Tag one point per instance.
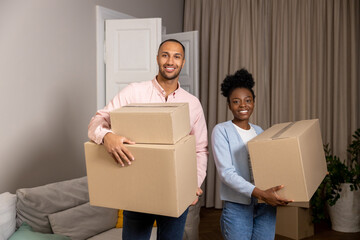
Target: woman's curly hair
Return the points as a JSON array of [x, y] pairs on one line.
[[241, 79]]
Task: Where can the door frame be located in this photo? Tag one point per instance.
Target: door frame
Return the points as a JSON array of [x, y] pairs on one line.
[[192, 56], [102, 14]]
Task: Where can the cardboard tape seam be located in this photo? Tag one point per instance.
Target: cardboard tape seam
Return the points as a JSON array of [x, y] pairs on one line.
[[279, 133]]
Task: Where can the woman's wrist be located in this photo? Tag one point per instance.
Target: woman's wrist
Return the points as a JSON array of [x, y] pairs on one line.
[[258, 193]]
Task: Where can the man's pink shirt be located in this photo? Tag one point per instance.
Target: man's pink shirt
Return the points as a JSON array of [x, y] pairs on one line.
[[152, 92]]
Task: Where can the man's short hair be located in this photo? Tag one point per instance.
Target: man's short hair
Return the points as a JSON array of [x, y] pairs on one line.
[[172, 40]]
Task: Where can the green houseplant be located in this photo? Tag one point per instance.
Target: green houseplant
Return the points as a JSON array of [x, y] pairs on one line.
[[331, 187]]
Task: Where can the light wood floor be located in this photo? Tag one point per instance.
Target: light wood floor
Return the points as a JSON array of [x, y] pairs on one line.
[[210, 229]]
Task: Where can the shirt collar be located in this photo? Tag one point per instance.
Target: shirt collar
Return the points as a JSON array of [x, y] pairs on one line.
[[161, 90]]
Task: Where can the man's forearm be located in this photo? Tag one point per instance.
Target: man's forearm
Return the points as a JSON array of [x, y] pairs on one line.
[[99, 126]]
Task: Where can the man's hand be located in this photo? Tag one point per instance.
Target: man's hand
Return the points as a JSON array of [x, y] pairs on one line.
[[270, 196], [199, 192], [114, 144]]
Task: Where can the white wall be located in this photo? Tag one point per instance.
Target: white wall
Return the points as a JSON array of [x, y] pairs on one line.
[[48, 83]]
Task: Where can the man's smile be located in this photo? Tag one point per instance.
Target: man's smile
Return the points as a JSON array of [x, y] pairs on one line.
[[169, 69]]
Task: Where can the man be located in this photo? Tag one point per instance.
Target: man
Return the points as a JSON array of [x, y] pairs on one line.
[[164, 87]]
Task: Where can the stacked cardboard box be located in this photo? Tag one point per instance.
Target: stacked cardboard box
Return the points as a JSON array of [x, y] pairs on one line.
[[163, 178], [294, 222], [155, 123], [290, 154]]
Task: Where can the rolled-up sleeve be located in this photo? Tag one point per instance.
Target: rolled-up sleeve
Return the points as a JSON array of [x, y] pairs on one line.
[[100, 124]]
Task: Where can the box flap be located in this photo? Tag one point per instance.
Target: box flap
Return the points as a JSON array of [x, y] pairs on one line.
[[285, 130], [150, 107], [155, 104]]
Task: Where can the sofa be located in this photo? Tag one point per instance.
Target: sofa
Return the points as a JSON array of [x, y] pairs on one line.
[[60, 211]]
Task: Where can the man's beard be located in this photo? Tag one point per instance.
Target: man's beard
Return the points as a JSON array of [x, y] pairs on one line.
[[163, 74]]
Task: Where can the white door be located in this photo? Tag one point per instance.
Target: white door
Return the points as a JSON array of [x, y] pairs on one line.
[[131, 48], [130, 55], [189, 76], [102, 14]]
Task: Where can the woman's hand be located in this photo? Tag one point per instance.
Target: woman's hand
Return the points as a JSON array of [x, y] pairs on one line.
[[199, 192], [270, 196]]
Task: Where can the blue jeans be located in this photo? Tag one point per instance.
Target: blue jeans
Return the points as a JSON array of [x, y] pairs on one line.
[[137, 226], [255, 221]]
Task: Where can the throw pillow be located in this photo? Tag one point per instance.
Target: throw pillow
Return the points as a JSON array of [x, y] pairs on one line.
[[25, 232], [7, 214], [120, 220], [84, 221], [35, 204]]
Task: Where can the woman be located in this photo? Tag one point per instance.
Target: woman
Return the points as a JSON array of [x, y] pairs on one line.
[[242, 217]]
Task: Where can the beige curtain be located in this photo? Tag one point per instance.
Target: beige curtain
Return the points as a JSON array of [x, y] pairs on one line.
[[304, 56]]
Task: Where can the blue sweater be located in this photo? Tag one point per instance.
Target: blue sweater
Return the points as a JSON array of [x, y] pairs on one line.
[[231, 159]]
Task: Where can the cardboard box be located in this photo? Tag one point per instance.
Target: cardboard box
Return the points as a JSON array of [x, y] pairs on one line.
[[162, 180], [294, 222], [155, 123], [289, 154]]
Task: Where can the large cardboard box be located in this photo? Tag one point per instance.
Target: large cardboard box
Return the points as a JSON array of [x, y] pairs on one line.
[[162, 179], [155, 123], [294, 222], [289, 154]]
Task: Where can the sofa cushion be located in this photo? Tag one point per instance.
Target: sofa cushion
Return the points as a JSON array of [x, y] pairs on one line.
[[112, 234], [25, 232], [7, 214], [83, 221], [35, 204]]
